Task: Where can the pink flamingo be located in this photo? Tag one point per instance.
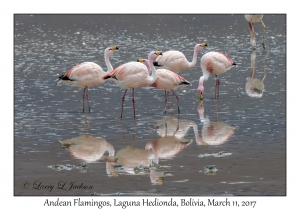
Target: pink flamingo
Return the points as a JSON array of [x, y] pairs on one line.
[[88, 74], [213, 63], [167, 80], [133, 75], [176, 61], [251, 20]]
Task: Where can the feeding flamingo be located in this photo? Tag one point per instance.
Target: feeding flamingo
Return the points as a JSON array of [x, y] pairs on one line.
[[88, 74], [213, 63], [251, 20], [133, 75], [176, 61], [167, 80]]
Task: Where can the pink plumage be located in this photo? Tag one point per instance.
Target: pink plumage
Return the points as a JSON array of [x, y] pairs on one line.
[[176, 61], [213, 63]]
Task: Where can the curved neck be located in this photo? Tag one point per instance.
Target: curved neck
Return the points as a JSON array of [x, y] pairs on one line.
[[193, 63], [107, 62], [151, 79]]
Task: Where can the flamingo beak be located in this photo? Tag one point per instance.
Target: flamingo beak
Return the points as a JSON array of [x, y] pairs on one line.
[[201, 96]]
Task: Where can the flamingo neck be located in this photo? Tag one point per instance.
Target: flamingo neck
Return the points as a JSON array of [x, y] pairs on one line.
[[194, 61], [153, 77], [107, 62]]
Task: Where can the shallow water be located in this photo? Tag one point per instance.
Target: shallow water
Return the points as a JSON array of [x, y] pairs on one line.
[[252, 130]]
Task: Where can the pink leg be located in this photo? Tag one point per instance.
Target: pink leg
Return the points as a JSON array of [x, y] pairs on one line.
[[83, 97], [133, 102], [123, 98], [177, 98], [217, 87], [87, 98]]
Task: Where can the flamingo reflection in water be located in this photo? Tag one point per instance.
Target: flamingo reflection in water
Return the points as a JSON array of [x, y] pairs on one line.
[[88, 148], [213, 133], [255, 87], [172, 131]]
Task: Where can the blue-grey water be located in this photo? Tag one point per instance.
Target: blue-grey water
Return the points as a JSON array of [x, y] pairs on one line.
[[50, 128]]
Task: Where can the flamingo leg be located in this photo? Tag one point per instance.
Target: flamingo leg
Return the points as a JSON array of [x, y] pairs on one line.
[[123, 99], [133, 102], [166, 101], [177, 98], [252, 39], [83, 97], [217, 87], [177, 128], [263, 41], [87, 98]]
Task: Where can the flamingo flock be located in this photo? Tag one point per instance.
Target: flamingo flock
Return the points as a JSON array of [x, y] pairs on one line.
[[160, 70]]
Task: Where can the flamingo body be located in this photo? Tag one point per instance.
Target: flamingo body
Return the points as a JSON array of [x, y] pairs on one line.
[[213, 63], [176, 61], [86, 74], [130, 75]]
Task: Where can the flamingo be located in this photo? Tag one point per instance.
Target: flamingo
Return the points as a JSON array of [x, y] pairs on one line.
[[176, 61], [167, 80], [133, 75], [88, 74], [254, 86], [213, 63], [251, 20]]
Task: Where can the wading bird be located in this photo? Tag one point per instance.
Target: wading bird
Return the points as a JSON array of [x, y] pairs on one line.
[[133, 75], [176, 61], [167, 81], [251, 20], [213, 63], [88, 74]]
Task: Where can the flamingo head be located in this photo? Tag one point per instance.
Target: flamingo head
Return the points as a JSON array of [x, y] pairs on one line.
[[110, 50], [199, 47], [144, 61], [153, 55]]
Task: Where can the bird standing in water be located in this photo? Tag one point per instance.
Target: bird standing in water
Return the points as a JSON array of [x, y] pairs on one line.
[[213, 63], [176, 61], [133, 75], [251, 20], [167, 80], [88, 74]]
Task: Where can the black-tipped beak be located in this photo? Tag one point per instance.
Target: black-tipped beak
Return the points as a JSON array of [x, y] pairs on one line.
[[234, 64], [201, 96]]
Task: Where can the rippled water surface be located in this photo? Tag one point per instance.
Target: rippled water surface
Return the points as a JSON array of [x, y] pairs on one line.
[[182, 153]]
